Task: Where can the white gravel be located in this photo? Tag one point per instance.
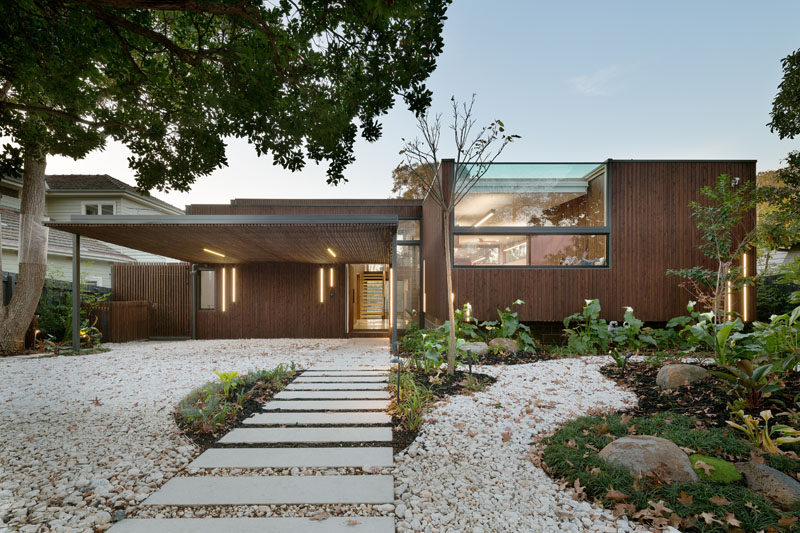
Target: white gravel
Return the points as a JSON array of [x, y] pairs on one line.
[[86, 437]]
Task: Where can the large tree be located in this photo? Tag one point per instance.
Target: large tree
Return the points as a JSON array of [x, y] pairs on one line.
[[173, 79], [780, 225]]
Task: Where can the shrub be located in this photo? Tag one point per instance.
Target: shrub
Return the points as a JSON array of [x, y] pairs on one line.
[[590, 332]]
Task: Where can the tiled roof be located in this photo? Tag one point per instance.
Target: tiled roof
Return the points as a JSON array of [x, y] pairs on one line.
[[96, 182], [58, 241]]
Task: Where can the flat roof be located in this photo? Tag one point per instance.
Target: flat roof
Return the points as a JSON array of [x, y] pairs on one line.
[[246, 238]]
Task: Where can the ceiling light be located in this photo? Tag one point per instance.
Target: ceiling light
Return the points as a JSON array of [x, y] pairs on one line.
[[486, 217], [331, 252], [515, 246], [213, 252]]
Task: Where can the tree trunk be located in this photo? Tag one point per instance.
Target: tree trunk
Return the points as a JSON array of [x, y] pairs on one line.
[[448, 269], [16, 317]]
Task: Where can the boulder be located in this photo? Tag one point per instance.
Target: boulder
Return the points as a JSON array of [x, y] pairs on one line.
[[772, 483], [477, 348], [643, 454], [673, 376], [507, 345]]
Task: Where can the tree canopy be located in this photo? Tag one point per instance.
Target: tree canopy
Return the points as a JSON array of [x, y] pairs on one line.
[[171, 79], [405, 183]]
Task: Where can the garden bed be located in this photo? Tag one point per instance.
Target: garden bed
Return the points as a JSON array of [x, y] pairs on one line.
[[707, 399], [426, 389]]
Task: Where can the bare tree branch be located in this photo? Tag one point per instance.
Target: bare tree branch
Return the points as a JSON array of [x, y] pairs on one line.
[[62, 114]]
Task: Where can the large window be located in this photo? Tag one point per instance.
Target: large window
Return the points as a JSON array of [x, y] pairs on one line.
[[208, 290], [528, 215], [535, 195]]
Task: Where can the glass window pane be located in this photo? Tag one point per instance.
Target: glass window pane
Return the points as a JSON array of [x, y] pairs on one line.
[[107, 209], [408, 230], [90, 209], [408, 285], [208, 289], [490, 250], [535, 195], [569, 250]]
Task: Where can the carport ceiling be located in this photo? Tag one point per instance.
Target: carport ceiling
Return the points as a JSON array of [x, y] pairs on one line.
[[246, 238]]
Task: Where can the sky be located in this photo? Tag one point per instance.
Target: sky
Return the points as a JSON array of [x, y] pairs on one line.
[[577, 80]]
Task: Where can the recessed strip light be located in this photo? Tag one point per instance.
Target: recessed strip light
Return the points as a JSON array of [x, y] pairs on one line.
[[321, 285], [391, 297], [223, 289], [233, 284], [730, 301], [486, 217], [213, 252], [745, 316], [331, 252], [331, 277]]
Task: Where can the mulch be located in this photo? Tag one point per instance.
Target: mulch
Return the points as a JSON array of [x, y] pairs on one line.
[[447, 386], [518, 358], [707, 400]]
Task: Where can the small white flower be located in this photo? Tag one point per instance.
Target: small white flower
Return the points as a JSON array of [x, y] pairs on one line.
[[629, 309], [588, 301]]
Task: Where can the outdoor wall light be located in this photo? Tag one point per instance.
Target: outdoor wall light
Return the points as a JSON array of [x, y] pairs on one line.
[[486, 217], [730, 301], [213, 252], [331, 252], [321, 285], [331, 277], [223, 289], [233, 284], [744, 289]]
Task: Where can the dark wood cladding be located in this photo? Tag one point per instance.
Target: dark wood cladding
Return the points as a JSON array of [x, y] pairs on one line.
[[121, 321], [168, 288], [399, 207], [277, 300], [433, 263], [651, 231]]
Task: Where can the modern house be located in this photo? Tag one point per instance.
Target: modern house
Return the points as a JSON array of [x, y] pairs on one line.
[[552, 234], [82, 195]]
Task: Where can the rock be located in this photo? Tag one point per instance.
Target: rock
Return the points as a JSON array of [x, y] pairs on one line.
[[673, 376], [477, 348], [642, 454], [102, 517], [772, 483], [119, 514], [504, 344]]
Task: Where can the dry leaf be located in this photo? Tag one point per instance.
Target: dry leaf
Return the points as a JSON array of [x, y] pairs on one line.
[[719, 500], [730, 518], [684, 499], [595, 470], [787, 521], [705, 467], [579, 494], [622, 509], [506, 436], [571, 444], [320, 516], [708, 518], [615, 495], [660, 507], [352, 522]]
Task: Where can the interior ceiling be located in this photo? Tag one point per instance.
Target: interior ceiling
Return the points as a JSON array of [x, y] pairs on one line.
[[475, 206], [248, 243]]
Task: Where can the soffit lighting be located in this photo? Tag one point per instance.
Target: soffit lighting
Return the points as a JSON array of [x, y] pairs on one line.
[[486, 217], [213, 252], [331, 252]]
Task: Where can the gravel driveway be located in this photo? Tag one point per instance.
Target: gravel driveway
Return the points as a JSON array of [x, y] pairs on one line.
[[83, 436]]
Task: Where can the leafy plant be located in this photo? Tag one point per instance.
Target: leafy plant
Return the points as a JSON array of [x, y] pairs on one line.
[[229, 381], [472, 384], [716, 337], [590, 332], [620, 360], [761, 434], [780, 338], [413, 400], [751, 383], [508, 326], [631, 335]]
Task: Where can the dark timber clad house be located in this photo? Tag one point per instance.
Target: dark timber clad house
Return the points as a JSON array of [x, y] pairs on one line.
[[552, 234]]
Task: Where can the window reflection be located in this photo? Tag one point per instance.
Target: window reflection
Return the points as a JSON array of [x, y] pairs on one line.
[[530, 250]]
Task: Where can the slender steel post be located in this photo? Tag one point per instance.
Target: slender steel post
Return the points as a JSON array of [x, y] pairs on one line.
[[76, 293], [193, 274]]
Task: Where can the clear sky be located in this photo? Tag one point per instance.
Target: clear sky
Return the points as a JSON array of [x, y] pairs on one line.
[[578, 80]]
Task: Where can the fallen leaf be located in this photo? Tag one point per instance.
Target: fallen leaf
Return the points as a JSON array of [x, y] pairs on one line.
[[571, 444], [660, 507], [719, 500], [320, 516], [705, 467], [684, 499], [595, 470], [579, 494], [787, 521], [708, 518], [506, 436], [352, 522], [623, 509], [730, 518], [615, 495]]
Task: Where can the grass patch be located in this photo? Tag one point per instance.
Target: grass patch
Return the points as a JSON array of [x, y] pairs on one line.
[[217, 405], [571, 454], [723, 471]]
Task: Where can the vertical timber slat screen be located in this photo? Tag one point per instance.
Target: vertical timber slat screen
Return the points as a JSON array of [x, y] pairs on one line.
[[121, 321], [168, 289]]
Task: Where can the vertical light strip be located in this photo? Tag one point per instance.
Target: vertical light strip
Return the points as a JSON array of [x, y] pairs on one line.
[[423, 286], [331, 277], [321, 285], [730, 301], [233, 285], [223, 289], [745, 288], [391, 295]]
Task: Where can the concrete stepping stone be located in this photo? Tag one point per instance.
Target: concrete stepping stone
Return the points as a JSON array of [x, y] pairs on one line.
[[292, 457], [310, 419], [332, 434], [326, 405], [270, 490], [355, 524], [384, 368], [344, 374], [332, 395], [336, 386], [341, 379]]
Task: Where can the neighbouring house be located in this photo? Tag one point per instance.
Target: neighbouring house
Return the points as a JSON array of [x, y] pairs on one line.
[[552, 234], [83, 195]]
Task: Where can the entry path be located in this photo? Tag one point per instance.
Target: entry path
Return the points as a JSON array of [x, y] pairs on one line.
[[332, 418]]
